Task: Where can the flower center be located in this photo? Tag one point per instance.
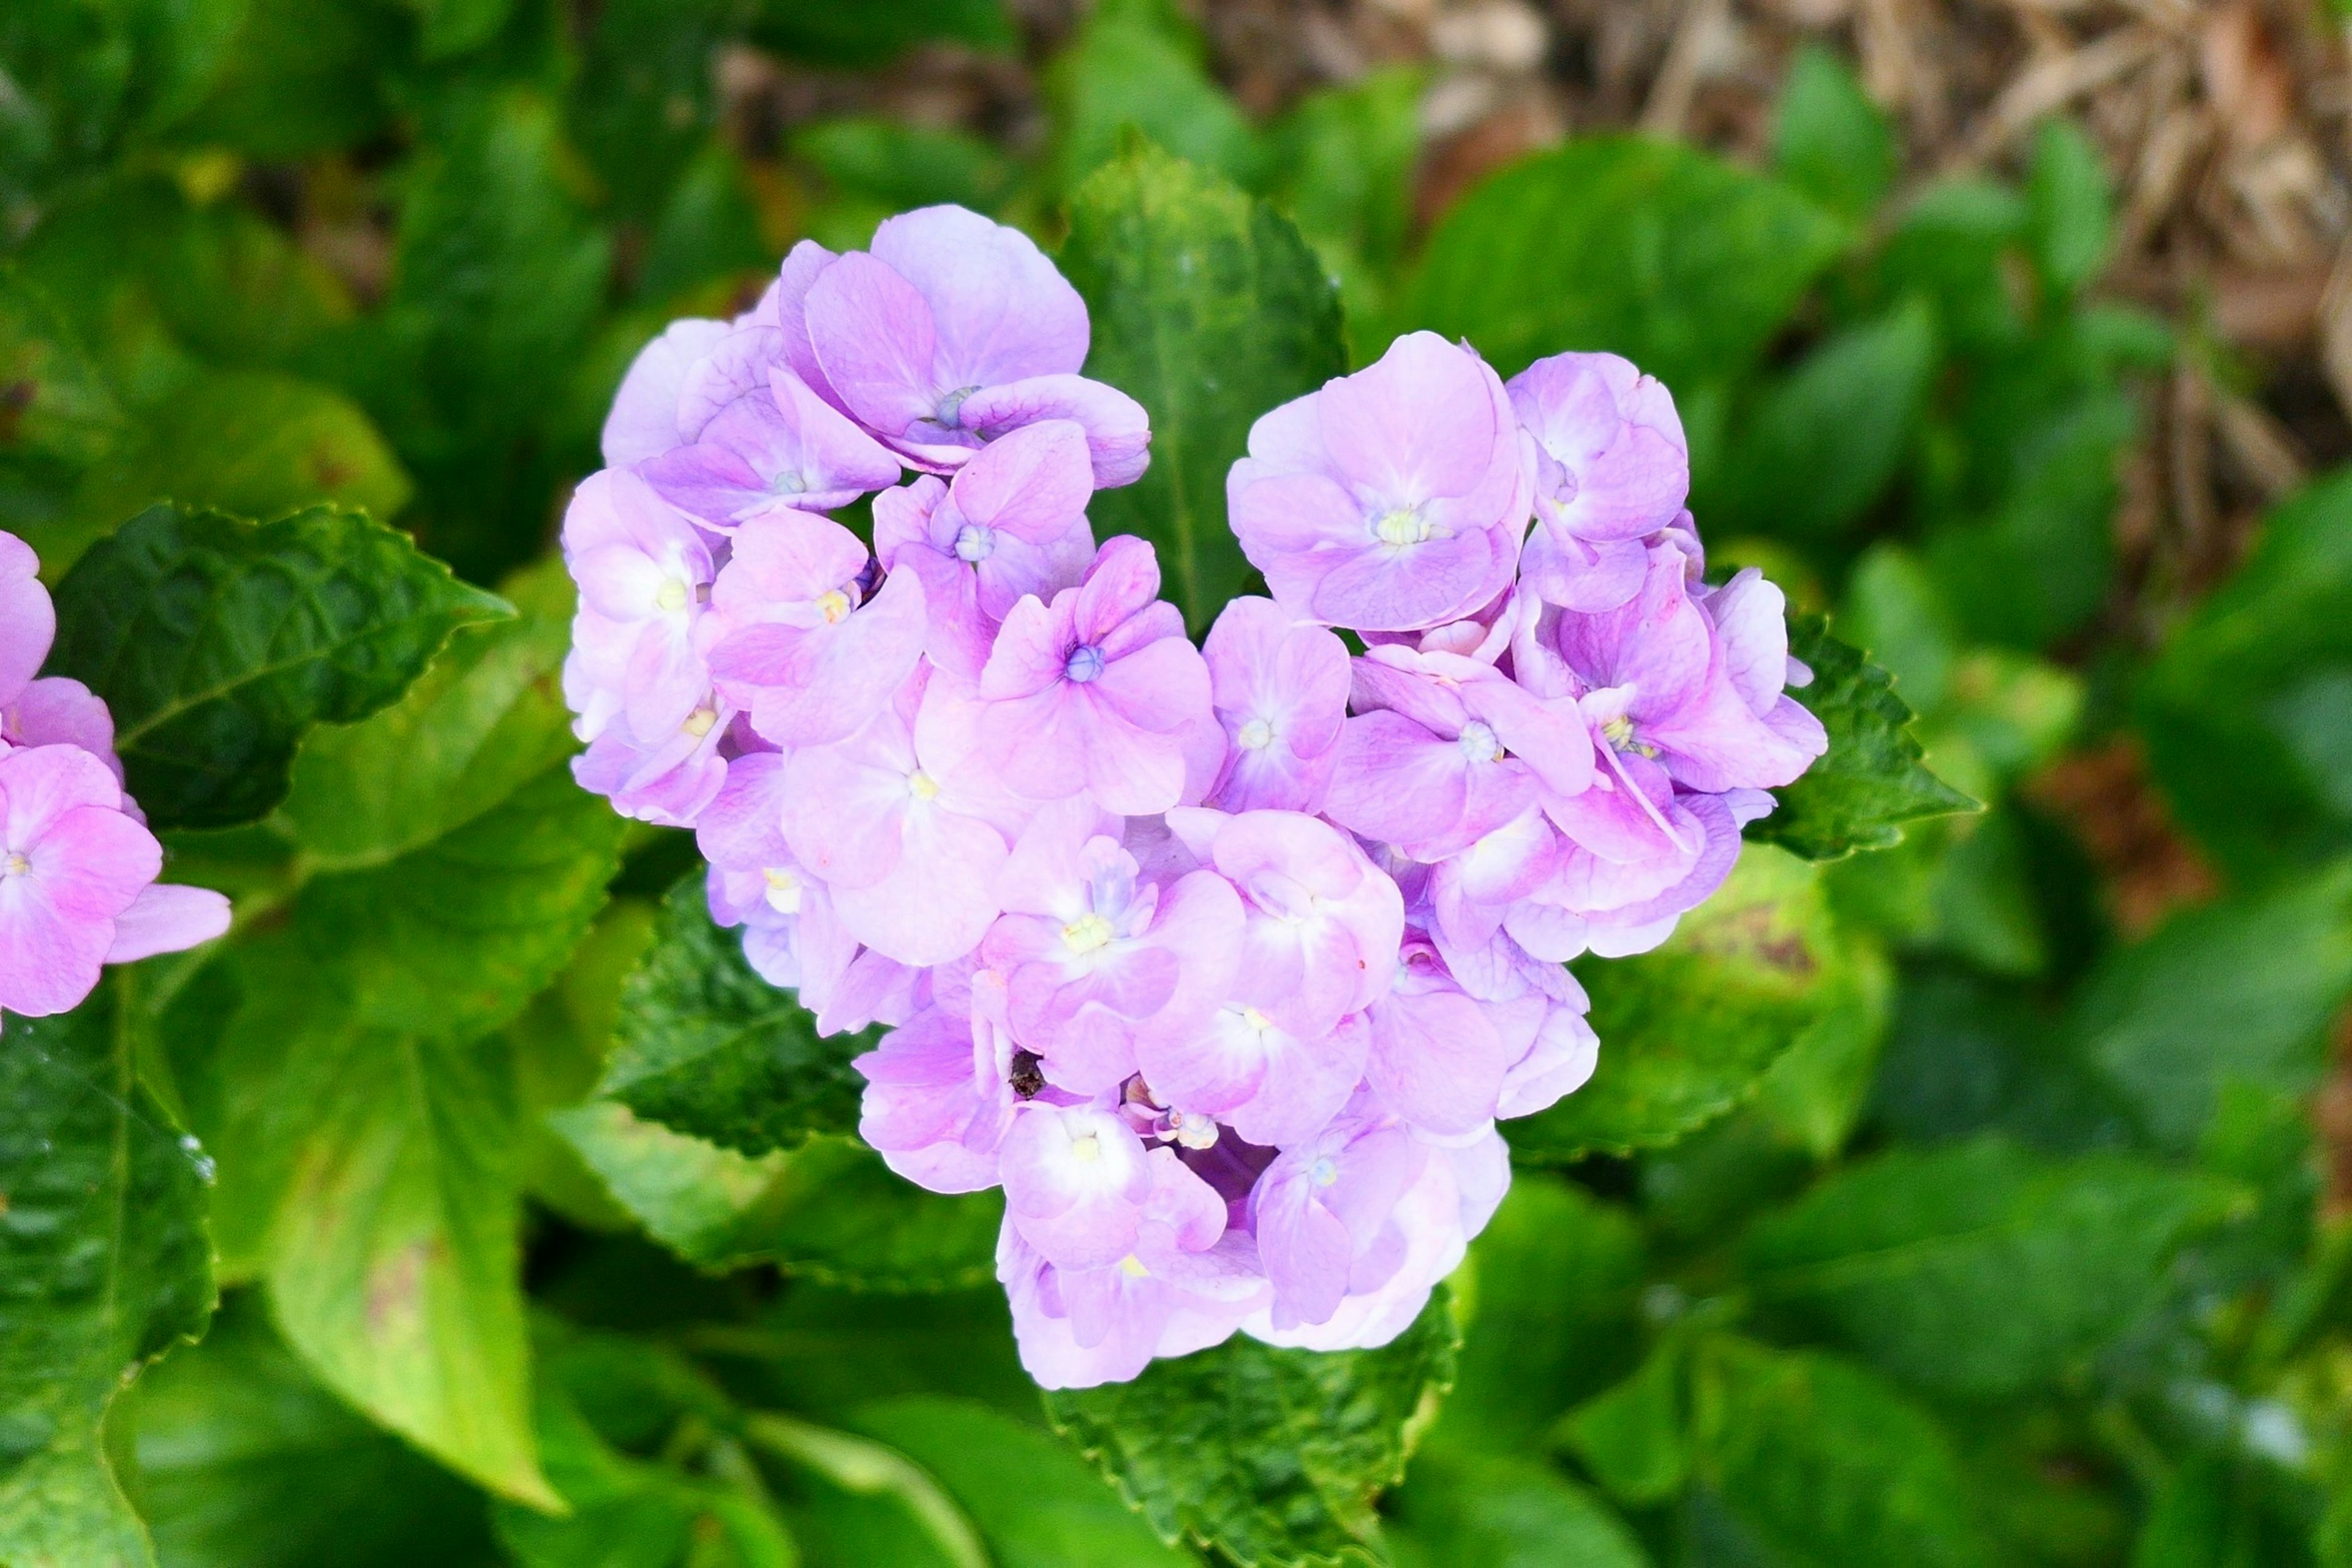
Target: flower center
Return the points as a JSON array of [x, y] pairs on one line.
[[1323, 1172], [951, 406], [974, 543], [788, 483], [922, 786], [1404, 526], [1193, 1131], [698, 722], [1256, 1020], [784, 890], [16, 865], [833, 605], [1085, 665], [672, 596], [1478, 742], [1255, 736], [1087, 932], [1086, 1149], [1618, 733], [1132, 1267]]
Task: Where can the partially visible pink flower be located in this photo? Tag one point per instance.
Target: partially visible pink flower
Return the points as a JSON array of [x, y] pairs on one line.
[[929, 1109], [28, 623], [791, 935], [1391, 499], [1280, 688], [1097, 691], [643, 573], [644, 420], [954, 331], [665, 782], [1075, 1182], [77, 883], [795, 642], [1612, 468], [778, 446], [1436, 1061]]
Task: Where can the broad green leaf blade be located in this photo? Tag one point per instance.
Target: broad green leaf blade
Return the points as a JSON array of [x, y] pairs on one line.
[[1829, 141], [1037, 1504], [1655, 250], [1827, 438], [2247, 713], [874, 32], [875, 1472], [1827, 1465], [828, 1210], [216, 643], [1633, 1437], [1140, 64], [253, 442], [1272, 1456], [62, 414], [708, 1047], [1549, 1314], [1688, 1031], [393, 1267], [2239, 991], [1872, 779], [104, 1266], [2070, 203], [1978, 1268], [244, 1461], [1503, 1511], [1209, 309]]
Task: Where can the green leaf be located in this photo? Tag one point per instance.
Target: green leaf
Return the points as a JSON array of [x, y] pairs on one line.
[[217, 643], [1344, 162], [242, 292], [104, 1266], [253, 443], [1550, 1308], [708, 228], [2241, 990], [2242, 713], [1634, 1437], [296, 80], [1209, 309], [1688, 1031], [1871, 780], [905, 166], [1140, 64], [1669, 256], [1826, 439], [244, 1461], [2069, 201], [1499, 1511], [1270, 1455], [1829, 141], [1979, 1268], [626, 1512], [829, 1210], [1037, 1504], [875, 32], [646, 98], [1813, 1094], [56, 409], [708, 1047], [1825, 1465], [394, 1264]]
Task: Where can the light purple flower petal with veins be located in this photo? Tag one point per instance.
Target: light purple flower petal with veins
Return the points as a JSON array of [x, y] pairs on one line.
[[643, 570], [1611, 463], [777, 447], [58, 711], [1321, 1208], [1280, 688], [644, 420], [1436, 1061], [928, 1109], [1100, 691], [70, 863], [1391, 499], [28, 623], [1075, 1182]]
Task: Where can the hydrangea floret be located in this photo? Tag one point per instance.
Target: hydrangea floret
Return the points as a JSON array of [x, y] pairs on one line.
[[77, 865], [1222, 962]]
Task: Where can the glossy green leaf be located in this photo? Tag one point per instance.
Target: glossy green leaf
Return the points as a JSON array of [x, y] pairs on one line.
[[244, 1461], [1497, 1511], [1829, 141], [709, 1048], [1979, 1268], [104, 1266], [2241, 990], [829, 1210], [1273, 1457], [1209, 309], [1655, 250], [1688, 1031], [216, 643], [1037, 1504], [1825, 1465], [1872, 780]]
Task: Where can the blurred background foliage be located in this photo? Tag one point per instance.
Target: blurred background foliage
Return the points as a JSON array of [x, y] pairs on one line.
[[1978, 1200]]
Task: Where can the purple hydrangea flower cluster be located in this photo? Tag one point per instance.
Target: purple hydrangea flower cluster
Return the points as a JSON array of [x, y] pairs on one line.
[[77, 865], [1222, 961]]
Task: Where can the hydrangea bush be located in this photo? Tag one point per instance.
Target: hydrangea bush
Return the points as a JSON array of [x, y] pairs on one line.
[[1222, 961]]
